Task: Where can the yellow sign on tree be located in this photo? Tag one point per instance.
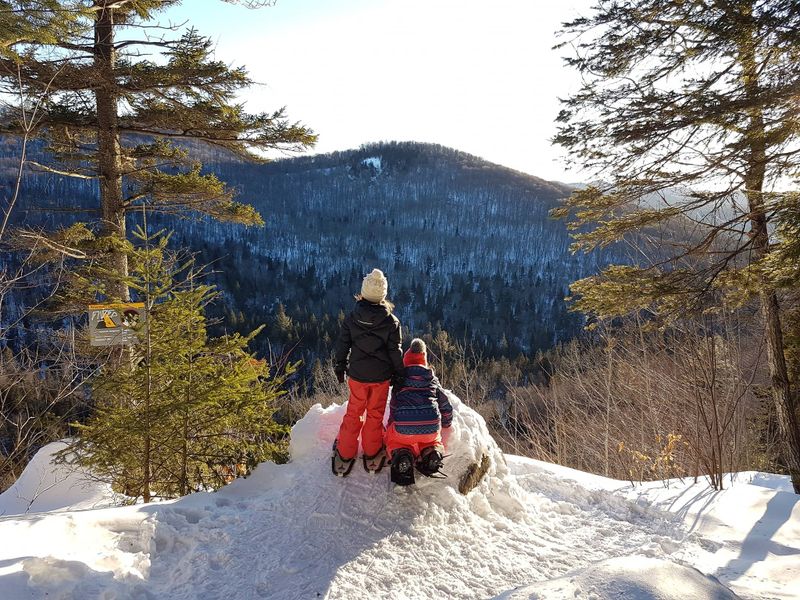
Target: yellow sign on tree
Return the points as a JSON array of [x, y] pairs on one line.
[[115, 324]]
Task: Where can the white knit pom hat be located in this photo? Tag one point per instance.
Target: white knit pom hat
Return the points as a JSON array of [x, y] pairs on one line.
[[375, 286]]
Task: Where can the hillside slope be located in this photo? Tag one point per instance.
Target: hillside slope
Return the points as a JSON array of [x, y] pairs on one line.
[[467, 245], [295, 531]]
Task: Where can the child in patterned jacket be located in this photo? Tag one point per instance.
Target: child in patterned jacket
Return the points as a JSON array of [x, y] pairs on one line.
[[418, 410]]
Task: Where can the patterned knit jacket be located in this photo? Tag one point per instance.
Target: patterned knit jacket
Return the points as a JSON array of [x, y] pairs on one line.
[[420, 406]]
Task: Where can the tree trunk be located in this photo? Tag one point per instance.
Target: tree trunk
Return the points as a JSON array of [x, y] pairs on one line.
[[109, 158], [185, 453], [146, 471], [785, 402], [147, 458], [608, 400]]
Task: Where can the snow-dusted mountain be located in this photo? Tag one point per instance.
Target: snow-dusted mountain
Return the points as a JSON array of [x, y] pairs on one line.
[[467, 245], [294, 531]]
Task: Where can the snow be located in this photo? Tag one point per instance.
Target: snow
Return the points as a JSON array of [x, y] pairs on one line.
[[45, 487], [633, 578], [374, 162], [529, 530], [747, 535]]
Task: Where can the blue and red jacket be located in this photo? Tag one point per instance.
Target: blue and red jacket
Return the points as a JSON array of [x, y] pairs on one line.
[[419, 406]]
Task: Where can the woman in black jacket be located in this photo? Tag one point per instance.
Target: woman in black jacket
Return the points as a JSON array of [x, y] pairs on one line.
[[369, 350]]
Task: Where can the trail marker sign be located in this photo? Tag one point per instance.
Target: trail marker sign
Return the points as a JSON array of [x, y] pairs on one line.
[[115, 324]]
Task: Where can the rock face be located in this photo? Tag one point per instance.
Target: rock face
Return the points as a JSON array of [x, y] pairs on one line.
[[473, 475]]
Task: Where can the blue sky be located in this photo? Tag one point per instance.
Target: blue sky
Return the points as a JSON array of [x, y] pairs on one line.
[[474, 75]]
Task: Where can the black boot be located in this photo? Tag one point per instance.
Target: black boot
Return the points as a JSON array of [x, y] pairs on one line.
[[429, 462], [402, 471]]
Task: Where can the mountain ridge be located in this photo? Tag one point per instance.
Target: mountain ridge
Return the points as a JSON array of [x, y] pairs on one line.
[[379, 146]]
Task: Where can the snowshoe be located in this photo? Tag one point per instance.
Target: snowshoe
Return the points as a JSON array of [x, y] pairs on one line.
[[429, 462], [341, 467], [402, 467], [373, 464]]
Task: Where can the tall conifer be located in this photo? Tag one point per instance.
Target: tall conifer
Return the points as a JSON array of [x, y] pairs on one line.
[[688, 113], [110, 111]]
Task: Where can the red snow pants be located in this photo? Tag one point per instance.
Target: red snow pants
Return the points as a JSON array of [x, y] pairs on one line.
[[364, 397], [415, 443]]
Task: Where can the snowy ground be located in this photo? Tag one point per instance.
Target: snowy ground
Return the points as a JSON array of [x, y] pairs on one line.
[[530, 530]]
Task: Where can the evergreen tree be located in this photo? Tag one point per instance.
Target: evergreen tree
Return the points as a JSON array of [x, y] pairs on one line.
[[284, 327], [26, 22], [694, 98], [192, 412], [134, 124]]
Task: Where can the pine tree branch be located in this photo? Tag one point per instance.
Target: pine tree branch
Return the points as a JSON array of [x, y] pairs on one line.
[[159, 43], [41, 240], [47, 169]]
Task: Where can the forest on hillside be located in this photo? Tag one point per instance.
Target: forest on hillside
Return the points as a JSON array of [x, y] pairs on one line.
[[468, 246]]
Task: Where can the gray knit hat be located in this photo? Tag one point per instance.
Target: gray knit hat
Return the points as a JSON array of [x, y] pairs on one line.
[[375, 286]]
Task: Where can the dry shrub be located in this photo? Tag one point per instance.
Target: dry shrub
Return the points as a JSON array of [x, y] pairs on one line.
[[642, 405], [292, 406]]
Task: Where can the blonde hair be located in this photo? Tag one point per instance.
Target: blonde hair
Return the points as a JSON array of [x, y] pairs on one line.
[[385, 302]]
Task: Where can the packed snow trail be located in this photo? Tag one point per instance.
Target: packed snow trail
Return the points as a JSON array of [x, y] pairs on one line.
[[296, 531]]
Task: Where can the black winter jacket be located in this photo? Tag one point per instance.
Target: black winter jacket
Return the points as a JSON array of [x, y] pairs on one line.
[[371, 336]]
